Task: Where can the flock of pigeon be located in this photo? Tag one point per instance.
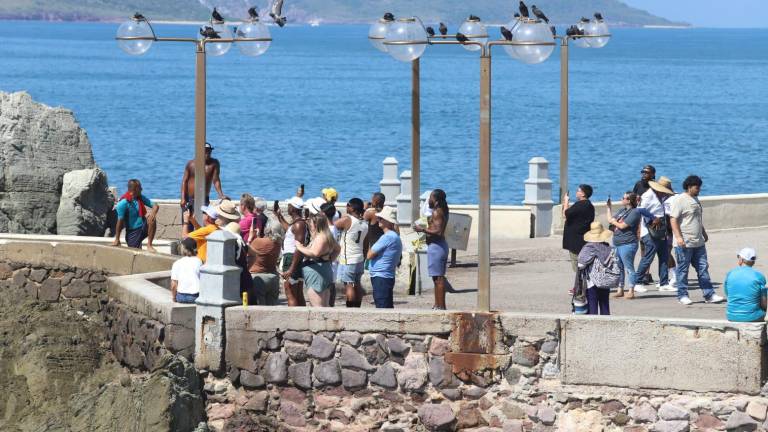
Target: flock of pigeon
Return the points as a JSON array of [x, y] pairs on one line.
[[276, 12], [507, 33]]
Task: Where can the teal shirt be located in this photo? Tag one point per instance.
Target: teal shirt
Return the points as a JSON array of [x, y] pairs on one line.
[[744, 287], [132, 209]]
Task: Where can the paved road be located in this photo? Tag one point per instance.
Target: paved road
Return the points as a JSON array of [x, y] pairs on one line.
[[533, 275]]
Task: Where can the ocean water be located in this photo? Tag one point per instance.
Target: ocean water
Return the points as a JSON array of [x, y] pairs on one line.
[[324, 108]]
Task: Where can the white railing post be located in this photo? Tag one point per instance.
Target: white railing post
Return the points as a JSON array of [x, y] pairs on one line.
[[219, 289], [538, 196], [390, 184]]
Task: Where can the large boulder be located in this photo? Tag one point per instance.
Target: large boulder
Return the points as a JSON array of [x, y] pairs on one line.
[[38, 145], [84, 204]]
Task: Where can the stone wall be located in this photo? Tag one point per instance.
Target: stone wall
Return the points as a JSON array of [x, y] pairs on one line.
[[83, 289], [305, 369]]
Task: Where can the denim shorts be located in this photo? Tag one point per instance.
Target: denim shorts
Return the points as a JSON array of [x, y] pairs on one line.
[[351, 273], [185, 298]]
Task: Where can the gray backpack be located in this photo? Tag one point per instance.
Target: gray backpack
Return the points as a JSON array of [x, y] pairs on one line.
[[608, 275]]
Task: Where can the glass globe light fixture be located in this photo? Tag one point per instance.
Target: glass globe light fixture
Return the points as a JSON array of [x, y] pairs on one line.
[[510, 49], [378, 33], [582, 42], [534, 33], [406, 39], [254, 29], [475, 30], [217, 48], [136, 27], [598, 28]]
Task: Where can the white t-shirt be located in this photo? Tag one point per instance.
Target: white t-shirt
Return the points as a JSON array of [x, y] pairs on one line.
[[649, 201], [186, 271]]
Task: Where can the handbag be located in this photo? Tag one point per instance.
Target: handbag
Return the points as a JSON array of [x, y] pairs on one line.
[[659, 232]]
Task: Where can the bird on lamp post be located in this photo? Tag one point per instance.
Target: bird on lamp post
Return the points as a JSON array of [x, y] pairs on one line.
[[430, 31], [539, 14], [443, 29], [209, 32], [462, 38], [506, 33], [217, 16], [524, 10]]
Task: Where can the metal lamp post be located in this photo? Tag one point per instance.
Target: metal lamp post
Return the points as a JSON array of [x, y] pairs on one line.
[[532, 43], [590, 34], [136, 36]]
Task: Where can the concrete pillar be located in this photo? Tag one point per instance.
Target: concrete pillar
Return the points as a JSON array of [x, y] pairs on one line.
[[404, 201], [423, 201], [538, 196], [390, 184], [219, 289]]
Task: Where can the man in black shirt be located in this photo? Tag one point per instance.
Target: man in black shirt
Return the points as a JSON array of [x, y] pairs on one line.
[[648, 173]]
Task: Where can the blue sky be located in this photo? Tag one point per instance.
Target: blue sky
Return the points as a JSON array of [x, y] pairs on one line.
[[709, 13]]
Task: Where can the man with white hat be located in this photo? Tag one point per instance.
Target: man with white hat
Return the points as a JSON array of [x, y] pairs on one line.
[[295, 232], [745, 289], [654, 234]]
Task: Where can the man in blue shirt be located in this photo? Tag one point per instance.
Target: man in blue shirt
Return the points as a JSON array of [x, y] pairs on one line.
[[137, 214], [385, 256], [745, 289]]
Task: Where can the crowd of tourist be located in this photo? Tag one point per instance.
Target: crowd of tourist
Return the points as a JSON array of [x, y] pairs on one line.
[[313, 246], [662, 225]]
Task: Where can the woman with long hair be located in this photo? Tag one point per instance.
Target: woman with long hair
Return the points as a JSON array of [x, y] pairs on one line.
[[318, 256], [626, 223]]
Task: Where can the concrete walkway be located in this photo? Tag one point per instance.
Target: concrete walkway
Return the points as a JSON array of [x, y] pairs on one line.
[[534, 275]]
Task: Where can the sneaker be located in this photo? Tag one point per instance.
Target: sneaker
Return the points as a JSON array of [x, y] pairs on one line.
[[715, 299], [641, 288], [668, 287], [686, 301]]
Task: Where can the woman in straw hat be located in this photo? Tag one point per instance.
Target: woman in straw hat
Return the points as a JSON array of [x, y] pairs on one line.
[[596, 248]]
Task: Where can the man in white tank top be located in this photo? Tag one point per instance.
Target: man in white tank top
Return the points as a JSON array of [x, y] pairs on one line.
[[351, 259]]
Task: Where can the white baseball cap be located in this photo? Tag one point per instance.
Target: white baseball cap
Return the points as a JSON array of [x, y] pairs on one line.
[[748, 254], [296, 203], [314, 204]]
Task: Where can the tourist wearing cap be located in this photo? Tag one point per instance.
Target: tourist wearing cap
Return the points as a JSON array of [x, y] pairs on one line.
[[210, 224], [385, 256], [185, 274], [596, 248], [318, 256], [212, 169], [745, 289], [295, 233], [653, 235], [330, 195], [690, 237], [577, 219]]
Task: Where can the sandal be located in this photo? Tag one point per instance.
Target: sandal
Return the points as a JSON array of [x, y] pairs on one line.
[[630, 295], [619, 294]]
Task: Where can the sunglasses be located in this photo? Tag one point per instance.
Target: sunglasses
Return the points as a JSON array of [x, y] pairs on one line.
[[645, 172]]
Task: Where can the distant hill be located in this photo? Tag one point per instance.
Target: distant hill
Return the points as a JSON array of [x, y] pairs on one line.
[[324, 11]]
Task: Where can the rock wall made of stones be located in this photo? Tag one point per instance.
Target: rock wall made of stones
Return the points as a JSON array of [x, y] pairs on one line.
[[302, 380], [135, 340], [83, 289]]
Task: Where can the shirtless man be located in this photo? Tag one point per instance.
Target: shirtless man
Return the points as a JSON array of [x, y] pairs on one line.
[[437, 248], [212, 168]]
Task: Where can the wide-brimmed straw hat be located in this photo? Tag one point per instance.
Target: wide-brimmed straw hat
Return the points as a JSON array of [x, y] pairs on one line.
[[388, 214], [227, 210], [597, 234], [663, 185]]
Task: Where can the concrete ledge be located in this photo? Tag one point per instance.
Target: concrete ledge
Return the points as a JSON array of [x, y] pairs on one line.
[[530, 325], [257, 318], [144, 297], [696, 355], [39, 251]]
